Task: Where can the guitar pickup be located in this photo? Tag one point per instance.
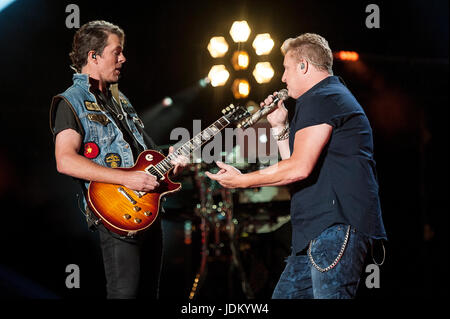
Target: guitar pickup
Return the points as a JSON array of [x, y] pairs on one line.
[[126, 195], [154, 171], [139, 194]]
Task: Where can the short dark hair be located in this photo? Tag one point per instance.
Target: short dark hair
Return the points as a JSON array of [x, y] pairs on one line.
[[92, 36]]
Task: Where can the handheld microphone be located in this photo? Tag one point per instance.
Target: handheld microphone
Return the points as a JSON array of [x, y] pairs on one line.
[[282, 95]]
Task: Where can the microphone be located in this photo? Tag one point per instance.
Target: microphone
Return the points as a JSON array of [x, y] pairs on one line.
[[282, 95]]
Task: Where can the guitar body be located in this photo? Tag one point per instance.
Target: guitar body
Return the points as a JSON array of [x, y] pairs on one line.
[[127, 212]]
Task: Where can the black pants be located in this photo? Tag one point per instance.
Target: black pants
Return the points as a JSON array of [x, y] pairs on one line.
[[132, 265]]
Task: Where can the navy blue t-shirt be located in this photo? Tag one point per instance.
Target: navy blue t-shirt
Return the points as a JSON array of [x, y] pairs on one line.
[[342, 188]]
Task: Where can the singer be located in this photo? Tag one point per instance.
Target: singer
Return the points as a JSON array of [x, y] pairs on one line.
[[95, 129], [327, 157]]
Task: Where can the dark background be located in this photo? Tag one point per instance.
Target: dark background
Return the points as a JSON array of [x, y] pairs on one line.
[[401, 81]]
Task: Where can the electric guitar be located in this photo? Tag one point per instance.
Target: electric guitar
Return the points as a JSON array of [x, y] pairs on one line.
[[127, 212]]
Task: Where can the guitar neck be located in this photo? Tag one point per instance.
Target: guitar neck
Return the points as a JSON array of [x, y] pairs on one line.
[[190, 146]]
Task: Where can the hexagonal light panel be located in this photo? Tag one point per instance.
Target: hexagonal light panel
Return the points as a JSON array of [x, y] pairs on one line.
[[218, 75], [240, 31], [263, 44], [240, 60], [217, 47], [263, 72]]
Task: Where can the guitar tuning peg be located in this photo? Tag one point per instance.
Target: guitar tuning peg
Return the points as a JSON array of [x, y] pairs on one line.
[[232, 106], [224, 111], [227, 108]]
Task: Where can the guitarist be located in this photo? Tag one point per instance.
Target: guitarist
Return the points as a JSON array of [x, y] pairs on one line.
[[96, 129]]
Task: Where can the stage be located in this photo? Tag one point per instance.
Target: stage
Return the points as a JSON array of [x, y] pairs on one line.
[[236, 250]]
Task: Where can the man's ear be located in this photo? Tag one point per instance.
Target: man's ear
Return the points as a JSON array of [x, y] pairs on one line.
[[302, 67], [92, 55]]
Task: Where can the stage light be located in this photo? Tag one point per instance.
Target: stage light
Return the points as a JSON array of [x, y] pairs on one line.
[[252, 106], [347, 55], [240, 31], [263, 138], [167, 101], [5, 3], [217, 47], [187, 232], [218, 75], [240, 88], [240, 60], [204, 82], [263, 44], [263, 72]]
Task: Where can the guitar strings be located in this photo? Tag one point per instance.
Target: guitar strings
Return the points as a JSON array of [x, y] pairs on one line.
[[165, 165]]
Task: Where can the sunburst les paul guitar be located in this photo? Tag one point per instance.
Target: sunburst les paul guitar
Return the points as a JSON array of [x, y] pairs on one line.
[[127, 212]]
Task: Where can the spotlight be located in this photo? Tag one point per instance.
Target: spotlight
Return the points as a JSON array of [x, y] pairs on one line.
[[240, 31], [263, 72], [5, 3], [218, 75], [240, 60], [263, 44], [217, 47], [240, 88], [204, 82], [252, 106], [263, 138], [167, 102], [347, 56]]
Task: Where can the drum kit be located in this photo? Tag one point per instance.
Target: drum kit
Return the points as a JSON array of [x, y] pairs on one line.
[[225, 224]]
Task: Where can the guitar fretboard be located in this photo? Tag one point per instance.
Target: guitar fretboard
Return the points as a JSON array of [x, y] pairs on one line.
[[190, 146]]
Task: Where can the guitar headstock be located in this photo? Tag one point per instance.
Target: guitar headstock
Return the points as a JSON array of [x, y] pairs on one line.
[[235, 113]]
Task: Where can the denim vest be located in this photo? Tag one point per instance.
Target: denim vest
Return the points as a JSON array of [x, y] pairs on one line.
[[103, 141]]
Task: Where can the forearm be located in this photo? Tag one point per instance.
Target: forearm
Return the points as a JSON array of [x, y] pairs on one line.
[[283, 149], [78, 166], [308, 145], [283, 145], [283, 173]]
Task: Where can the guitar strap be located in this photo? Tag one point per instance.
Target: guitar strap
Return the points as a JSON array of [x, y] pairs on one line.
[[91, 219], [151, 145]]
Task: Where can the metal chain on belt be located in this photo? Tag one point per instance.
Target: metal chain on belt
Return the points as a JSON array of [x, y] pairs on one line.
[[334, 263]]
